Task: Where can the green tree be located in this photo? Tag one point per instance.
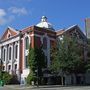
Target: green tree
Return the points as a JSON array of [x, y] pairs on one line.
[[88, 56], [36, 61], [31, 77], [1, 67], [67, 58], [4, 76], [54, 60], [88, 66]]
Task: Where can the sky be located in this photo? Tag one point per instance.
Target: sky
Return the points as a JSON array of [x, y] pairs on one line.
[[19, 14]]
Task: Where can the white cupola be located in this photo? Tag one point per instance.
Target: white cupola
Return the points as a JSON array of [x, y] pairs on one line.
[[45, 24]]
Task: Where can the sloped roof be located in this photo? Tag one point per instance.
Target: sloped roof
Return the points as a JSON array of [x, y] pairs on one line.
[[9, 31], [78, 29], [70, 29], [60, 32]]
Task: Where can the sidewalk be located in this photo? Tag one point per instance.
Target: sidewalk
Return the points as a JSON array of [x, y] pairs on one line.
[[31, 87]]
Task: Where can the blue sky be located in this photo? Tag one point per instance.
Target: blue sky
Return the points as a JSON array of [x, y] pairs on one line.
[[61, 13]]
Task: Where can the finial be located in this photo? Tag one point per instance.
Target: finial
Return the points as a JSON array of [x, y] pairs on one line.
[[44, 19]]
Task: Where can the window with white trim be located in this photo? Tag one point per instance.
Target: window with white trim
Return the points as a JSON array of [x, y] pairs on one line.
[[4, 54], [16, 51], [9, 36], [44, 43], [10, 49], [9, 67], [26, 61], [3, 68], [15, 66], [27, 43]]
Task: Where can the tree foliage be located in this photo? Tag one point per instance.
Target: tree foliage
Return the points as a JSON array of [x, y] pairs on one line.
[[36, 58], [68, 57], [88, 56], [31, 77], [32, 59], [6, 77], [36, 61]]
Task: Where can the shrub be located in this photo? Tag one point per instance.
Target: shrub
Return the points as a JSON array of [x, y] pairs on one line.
[[31, 77], [6, 77], [14, 80]]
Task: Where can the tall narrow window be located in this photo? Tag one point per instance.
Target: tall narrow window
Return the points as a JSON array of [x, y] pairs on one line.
[[3, 67], [9, 53], [4, 56], [15, 66], [9, 67], [26, 61], [16, 51], [44, 43], [27, 42], [45, 61]]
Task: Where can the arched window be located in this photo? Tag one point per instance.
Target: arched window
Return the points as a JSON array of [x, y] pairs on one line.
[[3, 67], [15, 66], [26, 61], [4, 54], [9, 36], [16, 51], [9, 53], [44, 43], [9, 67], [27, 42]]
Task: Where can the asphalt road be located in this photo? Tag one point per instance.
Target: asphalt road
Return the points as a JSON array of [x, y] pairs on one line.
[[45, 88]]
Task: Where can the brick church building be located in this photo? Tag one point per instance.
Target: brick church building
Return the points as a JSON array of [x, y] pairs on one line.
[[14, 45]]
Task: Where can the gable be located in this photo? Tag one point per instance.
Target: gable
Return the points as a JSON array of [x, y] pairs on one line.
[[10, 32], [75, 30]]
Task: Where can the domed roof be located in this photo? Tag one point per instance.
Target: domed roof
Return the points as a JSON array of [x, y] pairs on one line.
[[45, 24]]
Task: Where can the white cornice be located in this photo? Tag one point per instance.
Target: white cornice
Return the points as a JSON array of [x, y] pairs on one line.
[[10, 41]]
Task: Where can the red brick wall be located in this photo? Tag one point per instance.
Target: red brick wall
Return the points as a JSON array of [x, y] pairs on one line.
[[37, 41]]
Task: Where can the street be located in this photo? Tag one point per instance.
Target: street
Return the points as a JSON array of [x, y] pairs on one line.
[[13, 87]]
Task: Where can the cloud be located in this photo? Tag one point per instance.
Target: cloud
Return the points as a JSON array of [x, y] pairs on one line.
[[5, 18], [2, 12], [8, 15], [2, 21], [18, 11], [2, 16]]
